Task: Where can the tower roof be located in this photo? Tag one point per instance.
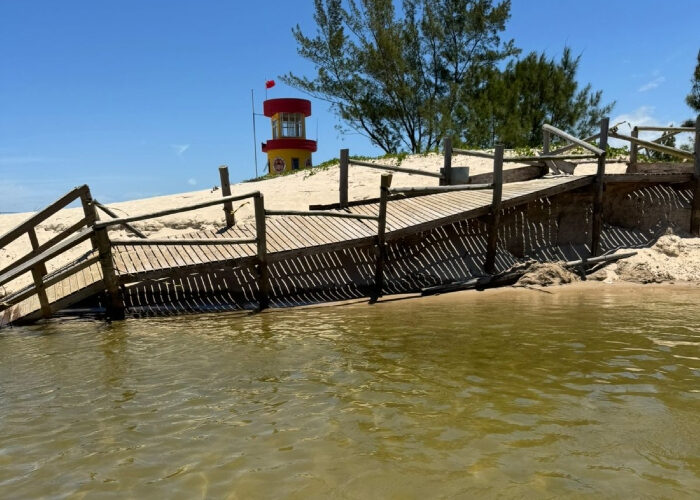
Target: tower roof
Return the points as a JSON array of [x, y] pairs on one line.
[[286, 105]]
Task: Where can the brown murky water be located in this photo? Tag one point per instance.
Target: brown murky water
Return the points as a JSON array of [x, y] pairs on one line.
[[584, 393]]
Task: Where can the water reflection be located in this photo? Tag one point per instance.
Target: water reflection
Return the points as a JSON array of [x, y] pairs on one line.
[[514, 393]]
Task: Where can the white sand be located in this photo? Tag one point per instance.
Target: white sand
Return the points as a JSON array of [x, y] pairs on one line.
[[291, 192]]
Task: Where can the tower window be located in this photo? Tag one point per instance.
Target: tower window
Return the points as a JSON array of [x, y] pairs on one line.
[[292, 125]]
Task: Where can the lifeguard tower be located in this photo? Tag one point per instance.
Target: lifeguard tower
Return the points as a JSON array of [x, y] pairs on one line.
[[289, 149]]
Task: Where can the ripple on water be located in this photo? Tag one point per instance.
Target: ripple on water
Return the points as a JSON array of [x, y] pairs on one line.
[[510, 393]]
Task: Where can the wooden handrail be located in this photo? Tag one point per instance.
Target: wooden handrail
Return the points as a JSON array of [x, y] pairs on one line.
[[312, 213], [439, 189], [527, 159], [677, 130], [564, 149], [111, 213], [183, 241], [48, 254], [653, 146], [394, 169], [470, 152], [571, 138], [43, 214], [171, 211], [41, 248], [51, 280]]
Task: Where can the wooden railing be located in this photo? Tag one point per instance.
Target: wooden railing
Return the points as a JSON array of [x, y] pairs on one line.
[[346, 161], [655, 145], [105, 244], [35, 261]]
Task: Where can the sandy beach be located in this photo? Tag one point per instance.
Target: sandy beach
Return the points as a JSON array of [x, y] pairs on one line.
[[676, 260]]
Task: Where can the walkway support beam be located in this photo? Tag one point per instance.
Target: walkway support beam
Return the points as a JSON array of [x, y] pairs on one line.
[[344, 164], [599, 188], [380, 249], [492, 236], [261, 236], [100, 241]]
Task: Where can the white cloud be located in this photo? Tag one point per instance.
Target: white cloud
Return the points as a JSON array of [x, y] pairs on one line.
[[652, 84], [191, 181], [180, 149]]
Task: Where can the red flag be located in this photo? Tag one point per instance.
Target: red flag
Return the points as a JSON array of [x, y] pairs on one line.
[[269, 84]]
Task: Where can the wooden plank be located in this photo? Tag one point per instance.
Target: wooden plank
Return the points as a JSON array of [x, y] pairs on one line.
[[225, 192]]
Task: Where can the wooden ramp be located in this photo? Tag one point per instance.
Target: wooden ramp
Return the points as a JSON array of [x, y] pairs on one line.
[[287, 237]]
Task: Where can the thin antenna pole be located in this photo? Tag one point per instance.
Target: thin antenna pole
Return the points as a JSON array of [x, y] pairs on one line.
[[255, 139]]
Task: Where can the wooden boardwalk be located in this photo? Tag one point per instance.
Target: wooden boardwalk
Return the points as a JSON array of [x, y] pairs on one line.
[[288, 236]]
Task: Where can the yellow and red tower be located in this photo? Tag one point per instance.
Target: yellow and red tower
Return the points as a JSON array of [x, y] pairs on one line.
[[289, 149]]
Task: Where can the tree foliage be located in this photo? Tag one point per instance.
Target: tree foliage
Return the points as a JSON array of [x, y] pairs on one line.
[[693, 99], [397, 77], [511, 106], [408, 76]]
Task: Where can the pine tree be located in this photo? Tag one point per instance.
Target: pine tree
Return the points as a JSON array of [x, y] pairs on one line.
[[514, 104], [397, 78]]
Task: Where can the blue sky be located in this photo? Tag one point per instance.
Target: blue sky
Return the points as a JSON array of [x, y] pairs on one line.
[[149, 97]]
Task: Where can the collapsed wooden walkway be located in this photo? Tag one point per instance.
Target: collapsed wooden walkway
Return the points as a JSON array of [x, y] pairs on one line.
[[112, 265]]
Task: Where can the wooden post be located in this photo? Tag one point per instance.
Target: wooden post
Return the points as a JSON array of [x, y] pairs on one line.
[[446, 179], [380, 250], [695, 210], [598, 189], [633, 151], [343, 188], [263, 274], [100, 242], [492, 237], [545, 142], [226, 191], [38, 273]]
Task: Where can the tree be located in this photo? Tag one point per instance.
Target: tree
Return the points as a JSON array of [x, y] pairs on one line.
[[398, 78], [693, 99], [513, 104]]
